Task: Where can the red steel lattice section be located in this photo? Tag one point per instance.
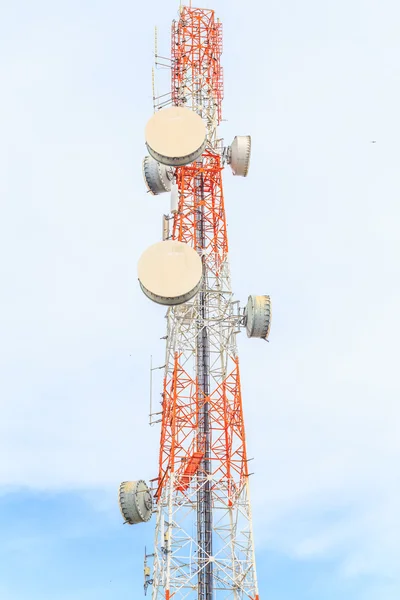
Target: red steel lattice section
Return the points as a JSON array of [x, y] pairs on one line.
[[196, 58], [181, 450], [200, 192], [196, 48]]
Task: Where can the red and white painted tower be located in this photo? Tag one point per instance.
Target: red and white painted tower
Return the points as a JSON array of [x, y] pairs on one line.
[[203, 545]]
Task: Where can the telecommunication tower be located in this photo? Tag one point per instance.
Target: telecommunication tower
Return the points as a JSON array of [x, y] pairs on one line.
[[204, 545]]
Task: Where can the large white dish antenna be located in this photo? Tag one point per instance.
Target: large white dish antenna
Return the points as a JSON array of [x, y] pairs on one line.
[[135, 502], [175, 136], [258, 315], [239, 155], [157, 177], [170, 272]]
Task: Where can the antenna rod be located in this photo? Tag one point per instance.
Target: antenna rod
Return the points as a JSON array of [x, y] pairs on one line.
[[151, 388]]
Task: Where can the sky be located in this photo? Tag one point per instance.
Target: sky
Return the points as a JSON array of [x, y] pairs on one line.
[[314, 225]]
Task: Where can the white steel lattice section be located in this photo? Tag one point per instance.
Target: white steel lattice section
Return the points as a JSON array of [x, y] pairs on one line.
[[175, 561]]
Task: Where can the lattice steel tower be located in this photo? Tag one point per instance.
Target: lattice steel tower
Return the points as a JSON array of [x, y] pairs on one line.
[[204, 544]]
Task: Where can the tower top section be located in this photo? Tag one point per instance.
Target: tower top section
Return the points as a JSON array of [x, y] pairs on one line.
[[196, 72]]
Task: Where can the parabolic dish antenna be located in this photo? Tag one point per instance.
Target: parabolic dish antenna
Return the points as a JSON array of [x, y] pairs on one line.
[[170, 272], [258, 315], [239, 155], [157, 177], [175, 136], [135, 502]]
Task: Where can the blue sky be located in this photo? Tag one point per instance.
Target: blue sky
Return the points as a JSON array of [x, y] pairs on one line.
[[315, 225]]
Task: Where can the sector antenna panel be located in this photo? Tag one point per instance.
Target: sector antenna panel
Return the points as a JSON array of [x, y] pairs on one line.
[[175, 136]]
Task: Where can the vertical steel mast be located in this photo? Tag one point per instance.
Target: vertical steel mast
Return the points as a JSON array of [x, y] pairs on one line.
[[203, 545], [203, 539]]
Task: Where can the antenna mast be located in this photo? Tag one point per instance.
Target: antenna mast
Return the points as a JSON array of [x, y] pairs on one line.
[[203, 546]]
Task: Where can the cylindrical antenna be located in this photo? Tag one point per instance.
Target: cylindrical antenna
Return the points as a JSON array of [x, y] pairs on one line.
[[153, 84], [151, 389], [162, 531], [165, 229], [152, 69], [174, 197]]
